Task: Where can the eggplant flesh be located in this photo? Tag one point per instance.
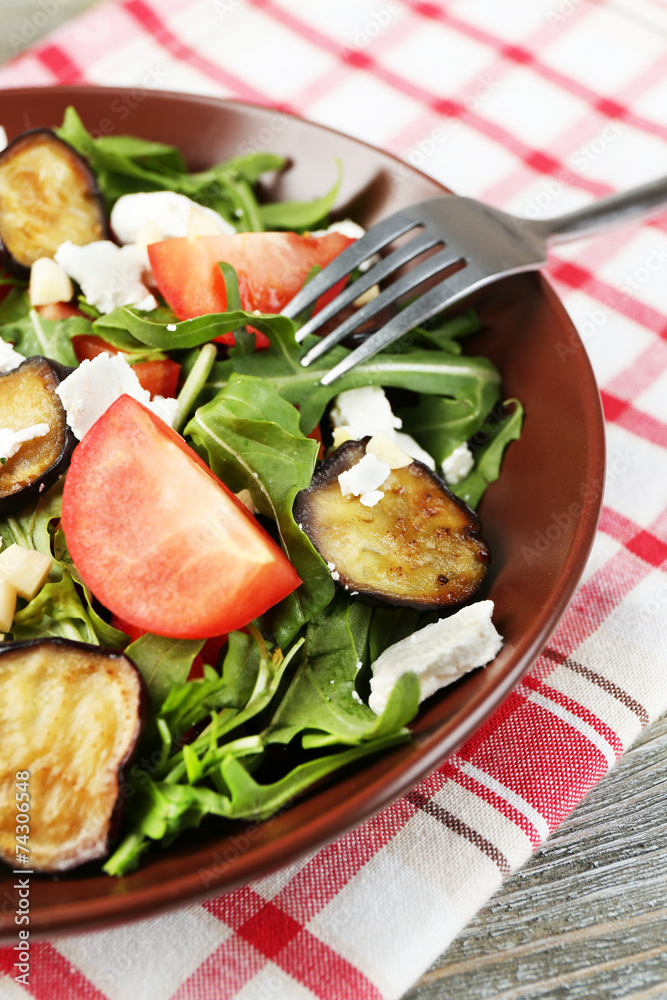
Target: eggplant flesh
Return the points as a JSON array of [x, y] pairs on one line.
[[419, 546], [70, 716], [27, 397], [48, 194]]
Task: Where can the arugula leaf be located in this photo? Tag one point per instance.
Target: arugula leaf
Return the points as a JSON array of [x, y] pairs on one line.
[[321, 702], [497, 434], [125, 165], [32, 335], [300, 215], [431, 372], [250, 437], [163, 662]]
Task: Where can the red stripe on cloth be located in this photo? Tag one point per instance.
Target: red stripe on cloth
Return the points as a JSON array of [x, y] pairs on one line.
[[324, 972], [555, 768], [493, 799], [324, 875], [649, 548], [224, 973], [634, 420], [523, 56], [146, 17], [580, 711], [279, 938], [596, 600], [616, 525], [575, 276], [538, 160], [58, 62], [52, 975], [640, 373]]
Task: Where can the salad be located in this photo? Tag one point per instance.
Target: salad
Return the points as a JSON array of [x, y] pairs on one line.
[[215, 570]]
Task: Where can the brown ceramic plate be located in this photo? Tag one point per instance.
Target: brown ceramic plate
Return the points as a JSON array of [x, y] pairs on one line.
[[539, 518]]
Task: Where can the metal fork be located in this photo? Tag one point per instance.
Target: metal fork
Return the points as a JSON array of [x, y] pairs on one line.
[[483, 242]]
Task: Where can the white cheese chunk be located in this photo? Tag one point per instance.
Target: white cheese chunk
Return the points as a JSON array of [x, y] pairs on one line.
[[388, 451], [9, 358], [3, 138], [458, 464], [364, 479], [367, 412], [164, 407], [438, 654], [167, 210], [92, 387], [109, 275], [11, 440], [48, 283]]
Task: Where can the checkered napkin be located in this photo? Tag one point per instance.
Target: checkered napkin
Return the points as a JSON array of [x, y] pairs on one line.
[[536, 108]]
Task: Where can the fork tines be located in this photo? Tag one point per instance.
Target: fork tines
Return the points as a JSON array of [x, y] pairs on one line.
[[376, 239]]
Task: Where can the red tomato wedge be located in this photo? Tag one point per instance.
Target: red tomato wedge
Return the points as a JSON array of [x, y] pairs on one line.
[[160, 377], [158, 539], [271, 268]]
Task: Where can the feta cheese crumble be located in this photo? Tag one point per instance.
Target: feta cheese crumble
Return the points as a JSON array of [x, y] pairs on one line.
[[168, 212], [367, 412], [363, 480], [3, 138], [9, 358], [458, 464], [438, 654], [11, 440], [335, 575], [109, 276], [92, 387]]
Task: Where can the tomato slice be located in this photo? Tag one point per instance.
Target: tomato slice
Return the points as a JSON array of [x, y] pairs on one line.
[[160, 377], [271, 268], [58, 311], [156, 536]]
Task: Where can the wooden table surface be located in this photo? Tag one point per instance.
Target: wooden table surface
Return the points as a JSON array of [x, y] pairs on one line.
[[586, 919]]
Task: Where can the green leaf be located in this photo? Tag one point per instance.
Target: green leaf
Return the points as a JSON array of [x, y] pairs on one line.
[[33, 335], [250, 437], [497, 433], [300, 214], [322, 696], [163, 662], [437, 373]]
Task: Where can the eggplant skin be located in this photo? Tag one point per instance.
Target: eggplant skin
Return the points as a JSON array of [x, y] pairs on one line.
[[418, 547], [71, 715], [27, 397], [48, 194]]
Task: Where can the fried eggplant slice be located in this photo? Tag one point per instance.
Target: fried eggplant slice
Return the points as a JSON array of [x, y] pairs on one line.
[[418, 546], [48, 194], [28, 398], [70, 717]]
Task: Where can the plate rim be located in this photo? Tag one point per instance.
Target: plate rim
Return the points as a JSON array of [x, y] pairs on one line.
[[143, 901]]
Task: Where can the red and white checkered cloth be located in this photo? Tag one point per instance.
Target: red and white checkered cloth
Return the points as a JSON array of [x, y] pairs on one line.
[[533, 107]]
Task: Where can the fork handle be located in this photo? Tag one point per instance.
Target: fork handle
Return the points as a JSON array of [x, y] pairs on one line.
[[637, 204]]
